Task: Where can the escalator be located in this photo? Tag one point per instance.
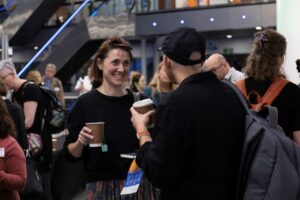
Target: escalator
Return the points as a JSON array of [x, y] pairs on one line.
[[82, 42], [27, 19]]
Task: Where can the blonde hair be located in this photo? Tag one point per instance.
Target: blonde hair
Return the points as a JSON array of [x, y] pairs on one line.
[[34, 76], [155, 82]]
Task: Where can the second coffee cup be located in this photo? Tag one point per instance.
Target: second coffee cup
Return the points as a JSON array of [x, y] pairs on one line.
[[143, 106], [97, 129]]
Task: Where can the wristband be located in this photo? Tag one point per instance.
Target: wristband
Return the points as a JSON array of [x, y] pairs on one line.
[[142, 133]]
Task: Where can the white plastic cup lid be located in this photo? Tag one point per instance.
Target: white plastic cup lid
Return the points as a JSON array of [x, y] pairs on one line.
[[143, 103]]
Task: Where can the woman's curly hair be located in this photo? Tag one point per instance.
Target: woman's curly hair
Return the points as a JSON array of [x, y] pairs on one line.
[[263, 63]]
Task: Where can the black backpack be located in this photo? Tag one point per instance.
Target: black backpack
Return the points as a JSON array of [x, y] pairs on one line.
[[270, 163], [55, 116]]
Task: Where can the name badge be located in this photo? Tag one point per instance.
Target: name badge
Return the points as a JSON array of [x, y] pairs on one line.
[[2, 152], [133, 179]]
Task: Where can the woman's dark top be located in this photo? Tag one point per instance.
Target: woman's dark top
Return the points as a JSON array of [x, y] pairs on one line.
[[120, 136], [287, 103]]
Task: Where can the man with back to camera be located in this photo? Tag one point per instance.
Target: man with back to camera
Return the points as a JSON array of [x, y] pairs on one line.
[[218, 64], [195, 153]]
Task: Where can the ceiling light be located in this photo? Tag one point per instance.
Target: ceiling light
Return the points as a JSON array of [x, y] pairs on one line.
[[182, 21], [244, 17], [154, 24], [258, 28], [228, 36], [211, 19], [35, 47]]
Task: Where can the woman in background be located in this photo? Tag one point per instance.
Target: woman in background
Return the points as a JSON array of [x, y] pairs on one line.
[[138, 83], [12, 158], [159, 85], [17, 115], [264, 66]]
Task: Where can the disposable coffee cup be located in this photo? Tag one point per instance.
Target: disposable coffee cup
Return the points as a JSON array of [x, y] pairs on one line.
[[97, 129], [143, 106]]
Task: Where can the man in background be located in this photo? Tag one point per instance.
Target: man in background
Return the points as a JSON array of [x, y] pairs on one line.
[[218, 64]]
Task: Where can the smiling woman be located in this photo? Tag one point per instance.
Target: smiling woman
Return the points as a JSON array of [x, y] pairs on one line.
[[110, 103]]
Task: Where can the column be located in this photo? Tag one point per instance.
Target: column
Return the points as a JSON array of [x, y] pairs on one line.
[[288, 16], [144, 57]]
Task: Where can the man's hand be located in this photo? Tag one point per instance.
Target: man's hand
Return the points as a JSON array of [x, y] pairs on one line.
[[140, 121]]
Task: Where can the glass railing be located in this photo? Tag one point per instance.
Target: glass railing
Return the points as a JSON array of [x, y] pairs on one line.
[[6, 8], [114, 7]]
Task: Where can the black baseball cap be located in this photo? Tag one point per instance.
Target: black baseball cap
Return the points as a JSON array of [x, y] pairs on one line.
[[181, 43]]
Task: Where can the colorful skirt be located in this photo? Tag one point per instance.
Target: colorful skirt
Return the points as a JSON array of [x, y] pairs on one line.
[[110, 190]]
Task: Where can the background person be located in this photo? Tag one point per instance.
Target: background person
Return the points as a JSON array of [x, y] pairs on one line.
[[219, 65], [138, 82], [264, 65], [84, 84], [53, 83], [159, 85], [198, 142], [17, 114], [12, 158], [30, 98], [109, 102], [298, 67]]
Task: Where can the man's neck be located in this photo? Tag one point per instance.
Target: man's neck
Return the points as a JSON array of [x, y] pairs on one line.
[[184, 73]]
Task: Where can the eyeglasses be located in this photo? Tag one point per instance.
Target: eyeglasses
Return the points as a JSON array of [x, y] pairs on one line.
[[218, 67], [4, 77]]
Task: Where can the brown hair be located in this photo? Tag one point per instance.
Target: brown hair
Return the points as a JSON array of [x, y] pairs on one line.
[[268, 47], [109, 44], [7, 126], [3, 88], [135, 81]]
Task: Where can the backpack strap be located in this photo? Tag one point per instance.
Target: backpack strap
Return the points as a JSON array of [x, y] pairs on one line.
[[274, 90], [242, 86], [270, 95]]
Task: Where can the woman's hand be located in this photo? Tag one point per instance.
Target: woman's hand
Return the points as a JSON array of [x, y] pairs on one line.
[[85, 136], [140, 121]]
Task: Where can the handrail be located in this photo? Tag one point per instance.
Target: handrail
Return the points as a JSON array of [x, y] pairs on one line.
[[4, 8], [27, 66], [95, 12]]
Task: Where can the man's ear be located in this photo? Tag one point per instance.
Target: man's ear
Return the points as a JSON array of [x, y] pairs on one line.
[[99, 63], [167, 62]]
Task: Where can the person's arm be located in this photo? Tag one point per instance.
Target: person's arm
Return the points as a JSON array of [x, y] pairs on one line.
[[84, 138], [161, 159], [14, 178], [61, 92], [17, 114], [79, 135], [78, 85], [296, 136], [30, 108]]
